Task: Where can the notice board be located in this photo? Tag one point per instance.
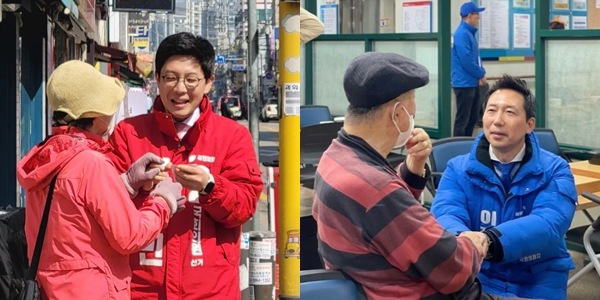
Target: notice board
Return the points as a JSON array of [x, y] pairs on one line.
[[506, 28]]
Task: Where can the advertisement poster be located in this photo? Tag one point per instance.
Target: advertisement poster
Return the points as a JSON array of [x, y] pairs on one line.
[[417, 16], [580, 5], [494, 25], [521, 4], [522, 31], [329, 17], [561, 4]]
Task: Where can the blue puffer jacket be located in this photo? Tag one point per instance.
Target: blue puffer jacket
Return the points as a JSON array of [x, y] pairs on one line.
[[466, 70], [532, 217]]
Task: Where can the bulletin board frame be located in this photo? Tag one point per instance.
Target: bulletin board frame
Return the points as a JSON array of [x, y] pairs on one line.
[[571, 11], [512, 53]]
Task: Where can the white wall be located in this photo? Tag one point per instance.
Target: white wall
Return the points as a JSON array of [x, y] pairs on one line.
[[386, 12]]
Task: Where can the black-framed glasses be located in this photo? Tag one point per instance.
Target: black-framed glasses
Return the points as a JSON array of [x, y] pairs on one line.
[[190, 82]]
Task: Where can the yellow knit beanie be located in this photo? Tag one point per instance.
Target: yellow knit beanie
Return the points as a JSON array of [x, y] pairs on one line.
[[81, 91]]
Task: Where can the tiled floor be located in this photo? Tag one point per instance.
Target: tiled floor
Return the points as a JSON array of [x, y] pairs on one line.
[[586, 288]]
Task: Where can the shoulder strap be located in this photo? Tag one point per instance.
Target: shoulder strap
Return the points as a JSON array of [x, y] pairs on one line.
[[35, 260]]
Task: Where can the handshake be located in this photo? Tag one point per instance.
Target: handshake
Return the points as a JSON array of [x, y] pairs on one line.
[[147, 169], [480, 240]]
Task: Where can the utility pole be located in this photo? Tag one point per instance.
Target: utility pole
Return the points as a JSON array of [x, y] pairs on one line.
[[288, 230], [252, 71], [252, 83]]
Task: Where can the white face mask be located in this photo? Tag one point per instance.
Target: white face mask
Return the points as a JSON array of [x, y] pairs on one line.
[[403, 136], [110, 127]]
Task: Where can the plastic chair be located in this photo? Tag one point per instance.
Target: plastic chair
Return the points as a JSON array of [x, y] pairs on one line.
[[442, 151], [314, 114], [311, 260], [324, 284], [589, 237], [548, 142], [314, 140]]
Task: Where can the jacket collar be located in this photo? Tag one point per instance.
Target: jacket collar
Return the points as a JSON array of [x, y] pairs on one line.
[[469, 27], [92, 140], [358, 144], [166, 123], [481, 163]]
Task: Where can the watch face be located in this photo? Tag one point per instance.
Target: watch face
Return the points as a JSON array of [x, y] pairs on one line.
[[209, 187]]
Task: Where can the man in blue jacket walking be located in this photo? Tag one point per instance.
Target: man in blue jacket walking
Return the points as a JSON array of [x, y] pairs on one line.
[[467, 72], [521, 196]]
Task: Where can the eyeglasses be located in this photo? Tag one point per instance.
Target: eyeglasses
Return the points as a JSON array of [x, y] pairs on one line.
[[189, 82]]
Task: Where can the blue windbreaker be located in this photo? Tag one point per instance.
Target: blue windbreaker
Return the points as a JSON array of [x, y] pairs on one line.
[[466, 69], [532, 217]]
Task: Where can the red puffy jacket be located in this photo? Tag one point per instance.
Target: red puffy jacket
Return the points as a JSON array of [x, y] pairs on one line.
[[92, 224], [197, 256]]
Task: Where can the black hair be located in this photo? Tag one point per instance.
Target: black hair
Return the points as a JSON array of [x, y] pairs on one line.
[[361, 111], [185, 43], [517, 85], [557, 25], [370, 114], [61, 118]]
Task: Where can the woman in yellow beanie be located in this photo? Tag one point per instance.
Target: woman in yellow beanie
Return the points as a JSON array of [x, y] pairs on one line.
[[93, 225]]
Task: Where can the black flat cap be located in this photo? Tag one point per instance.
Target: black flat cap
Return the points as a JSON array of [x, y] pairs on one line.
[[375, 78]]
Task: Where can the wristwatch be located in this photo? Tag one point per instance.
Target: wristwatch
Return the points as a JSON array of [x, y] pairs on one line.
[[211, 181], [209, 185], [489, 242]]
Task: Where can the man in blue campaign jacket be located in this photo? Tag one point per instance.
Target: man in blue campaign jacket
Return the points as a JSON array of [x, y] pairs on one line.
[[521, 196], [467, 72]]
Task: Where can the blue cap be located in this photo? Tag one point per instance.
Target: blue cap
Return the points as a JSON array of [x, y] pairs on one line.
[[469, 8]]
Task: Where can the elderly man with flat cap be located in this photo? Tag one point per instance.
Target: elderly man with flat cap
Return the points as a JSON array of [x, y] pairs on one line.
[[370, 224]]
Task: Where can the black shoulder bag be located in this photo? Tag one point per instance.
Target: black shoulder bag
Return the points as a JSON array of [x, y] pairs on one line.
[[30, 289]]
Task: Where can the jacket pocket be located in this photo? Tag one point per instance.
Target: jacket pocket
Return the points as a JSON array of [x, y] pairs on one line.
[[567, 190], [118, 288], [253, 168], [227, 256]]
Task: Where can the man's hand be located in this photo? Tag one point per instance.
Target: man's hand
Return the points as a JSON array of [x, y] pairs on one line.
[[479, 239], [483, 81], [418, 148], [191, 177], [162, 175]]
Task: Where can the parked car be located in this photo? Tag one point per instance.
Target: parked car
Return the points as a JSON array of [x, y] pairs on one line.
[[233, 107], [270, 110]]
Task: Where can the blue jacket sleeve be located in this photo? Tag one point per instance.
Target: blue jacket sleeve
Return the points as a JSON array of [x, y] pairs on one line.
[[466, 56], [548, 221], [450, 203]]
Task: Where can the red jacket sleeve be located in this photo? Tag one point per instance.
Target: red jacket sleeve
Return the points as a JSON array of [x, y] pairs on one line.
[[119, 156], [237, 188], [126, 228]]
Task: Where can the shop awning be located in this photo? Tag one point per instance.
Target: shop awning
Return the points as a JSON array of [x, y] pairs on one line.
[[122, 62]]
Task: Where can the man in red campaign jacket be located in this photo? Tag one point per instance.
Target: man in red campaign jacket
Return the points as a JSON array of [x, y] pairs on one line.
[[197, 256]]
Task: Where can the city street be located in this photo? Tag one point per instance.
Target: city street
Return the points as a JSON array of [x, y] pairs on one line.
[[269, 152], [268, 140]]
